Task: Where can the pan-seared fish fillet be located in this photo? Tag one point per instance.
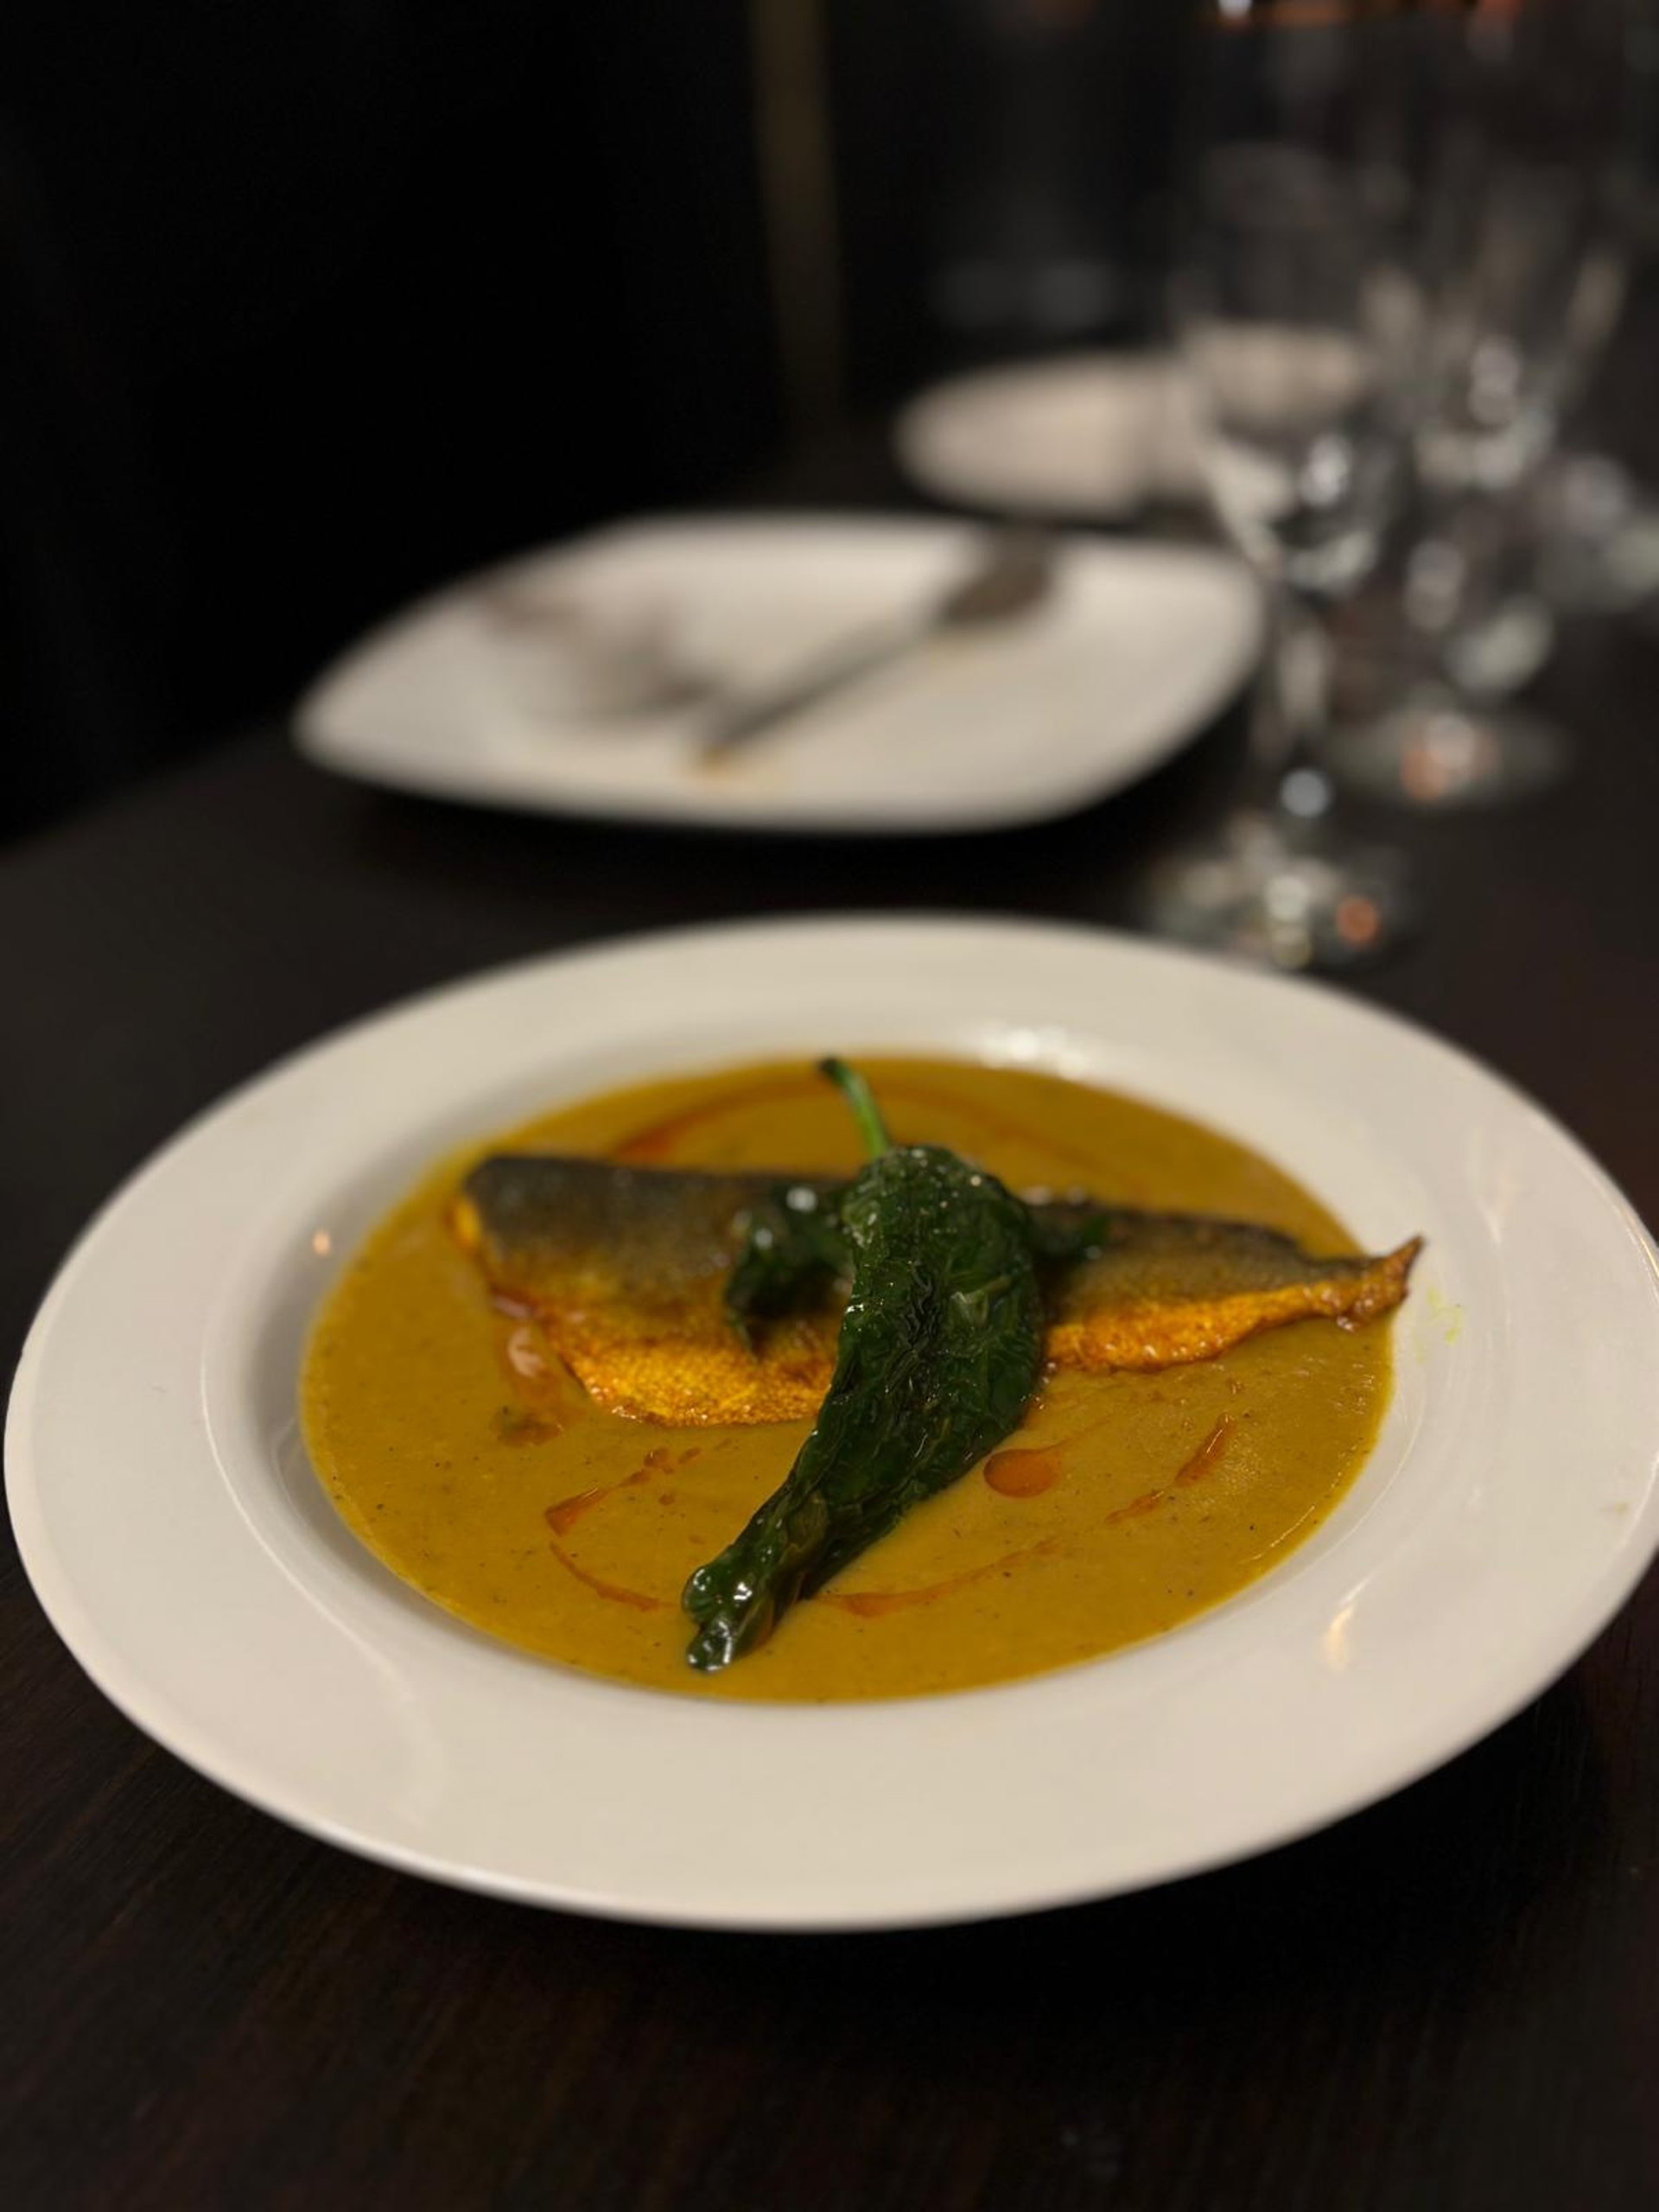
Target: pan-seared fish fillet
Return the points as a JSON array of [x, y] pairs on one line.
[[1165, 1288], [625, 1269]]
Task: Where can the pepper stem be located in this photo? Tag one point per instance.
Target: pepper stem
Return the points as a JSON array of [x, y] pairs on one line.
[[861, 1099]]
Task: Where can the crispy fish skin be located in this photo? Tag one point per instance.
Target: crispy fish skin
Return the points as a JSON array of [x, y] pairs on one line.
[[1167, 1288], [625, 1269]]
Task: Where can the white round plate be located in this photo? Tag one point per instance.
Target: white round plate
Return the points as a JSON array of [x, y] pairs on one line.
[[489, 693], [1073, 436], [185, 1552]]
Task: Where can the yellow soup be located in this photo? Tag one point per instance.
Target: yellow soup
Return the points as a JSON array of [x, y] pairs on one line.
[[465, 1459]]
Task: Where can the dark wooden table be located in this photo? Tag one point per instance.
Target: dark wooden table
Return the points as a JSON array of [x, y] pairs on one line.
[[1451, 2000]]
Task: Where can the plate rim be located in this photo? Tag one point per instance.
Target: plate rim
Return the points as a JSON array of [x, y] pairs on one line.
[[106, 1668]]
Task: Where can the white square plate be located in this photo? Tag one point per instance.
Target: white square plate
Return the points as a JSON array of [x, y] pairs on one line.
[[1135, 647]]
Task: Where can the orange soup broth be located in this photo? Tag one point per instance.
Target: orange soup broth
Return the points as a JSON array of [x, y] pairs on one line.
[[464, 1457]]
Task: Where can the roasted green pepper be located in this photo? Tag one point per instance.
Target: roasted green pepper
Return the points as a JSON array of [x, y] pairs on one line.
[[795, 1247], [939, 1355]]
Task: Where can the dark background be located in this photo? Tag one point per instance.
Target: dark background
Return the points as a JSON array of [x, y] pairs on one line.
[[303, 309]]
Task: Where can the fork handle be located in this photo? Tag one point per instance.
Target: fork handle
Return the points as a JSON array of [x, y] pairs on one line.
[[752, 714]]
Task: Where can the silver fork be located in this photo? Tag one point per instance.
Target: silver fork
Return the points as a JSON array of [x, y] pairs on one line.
[[1011, 575]]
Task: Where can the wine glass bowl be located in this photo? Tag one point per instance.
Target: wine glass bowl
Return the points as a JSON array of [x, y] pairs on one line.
[[1521, 253], [1292, 330], [1297, 326]]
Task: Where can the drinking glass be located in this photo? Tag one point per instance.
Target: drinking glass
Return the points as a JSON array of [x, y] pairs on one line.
[[1521, 256], [1298, 323]]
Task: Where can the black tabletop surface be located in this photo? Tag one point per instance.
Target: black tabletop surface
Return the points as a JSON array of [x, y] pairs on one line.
[[1451, 2000]]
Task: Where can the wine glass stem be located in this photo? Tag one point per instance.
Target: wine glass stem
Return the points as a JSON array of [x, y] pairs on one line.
[[1288, 778]]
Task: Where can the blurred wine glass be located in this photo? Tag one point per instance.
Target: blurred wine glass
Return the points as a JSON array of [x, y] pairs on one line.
[[1521, 255], [1298, 325]]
